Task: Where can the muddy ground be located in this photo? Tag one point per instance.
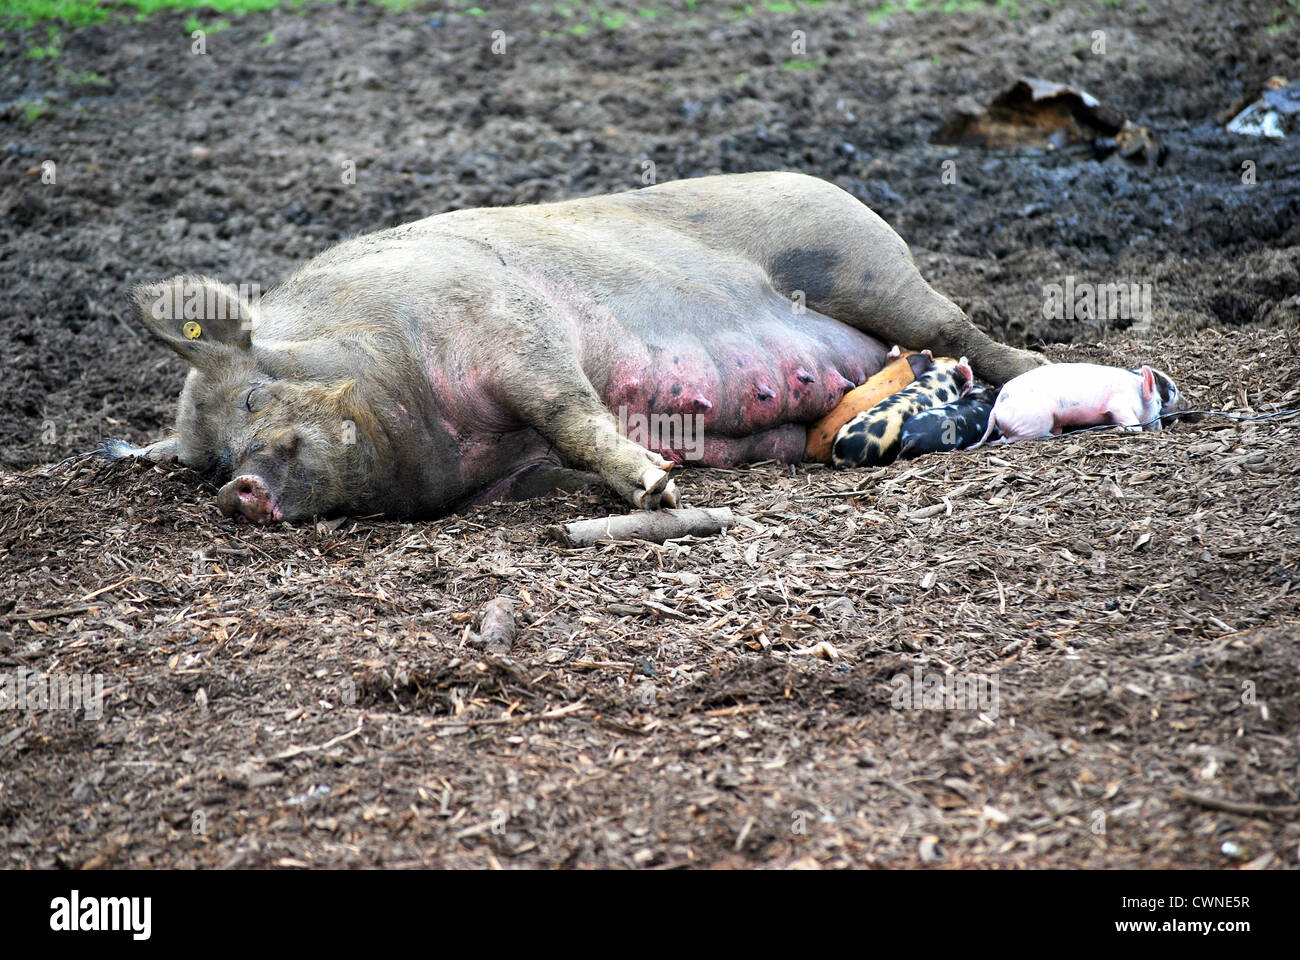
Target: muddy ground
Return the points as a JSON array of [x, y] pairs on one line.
[[305, 695]]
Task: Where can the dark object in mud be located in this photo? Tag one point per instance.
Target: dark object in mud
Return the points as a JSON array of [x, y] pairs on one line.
[[653, 525], [954, 426], [1051, 116]]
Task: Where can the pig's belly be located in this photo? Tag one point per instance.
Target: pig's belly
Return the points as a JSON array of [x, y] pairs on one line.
[[717, 391]]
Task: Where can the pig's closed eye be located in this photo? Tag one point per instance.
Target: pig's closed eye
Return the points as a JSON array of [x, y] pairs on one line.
[[256, 399]]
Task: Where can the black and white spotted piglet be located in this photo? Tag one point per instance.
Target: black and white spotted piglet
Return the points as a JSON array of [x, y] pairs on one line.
[[954, 426], [872, 438]]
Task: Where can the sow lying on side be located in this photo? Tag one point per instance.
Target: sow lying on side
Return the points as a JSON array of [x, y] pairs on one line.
[[460, 358]]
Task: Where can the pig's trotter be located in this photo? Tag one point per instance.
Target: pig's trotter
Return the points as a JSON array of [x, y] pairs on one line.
[[658, 490], [114, 449], [636, 474]]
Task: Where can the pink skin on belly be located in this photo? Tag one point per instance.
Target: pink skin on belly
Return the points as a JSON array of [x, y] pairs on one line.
[[783, 444], [742, 396], [741, 386]]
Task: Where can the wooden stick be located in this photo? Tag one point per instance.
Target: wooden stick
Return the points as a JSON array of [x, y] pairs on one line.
[[49, 614], [498, 627], [1236, 806], [653, 525]]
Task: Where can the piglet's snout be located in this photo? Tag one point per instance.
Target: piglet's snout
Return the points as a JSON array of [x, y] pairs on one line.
[[248, 497]]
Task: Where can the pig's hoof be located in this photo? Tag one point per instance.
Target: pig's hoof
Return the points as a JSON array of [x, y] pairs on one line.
[[114, 449], [657, 490], [1020, 361]]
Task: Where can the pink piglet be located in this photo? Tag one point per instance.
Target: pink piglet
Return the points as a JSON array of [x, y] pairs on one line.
[[1057, 397]]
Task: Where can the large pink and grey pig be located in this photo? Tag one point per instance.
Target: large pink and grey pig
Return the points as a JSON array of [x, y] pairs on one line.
[[1057, 397], [483, 354]]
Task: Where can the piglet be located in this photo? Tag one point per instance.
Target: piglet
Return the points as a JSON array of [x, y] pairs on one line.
[[954, 426], [1063, 396], [903, 367], [871, 438]]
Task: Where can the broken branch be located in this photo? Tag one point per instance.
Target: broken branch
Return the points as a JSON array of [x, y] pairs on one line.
[[653, 525]]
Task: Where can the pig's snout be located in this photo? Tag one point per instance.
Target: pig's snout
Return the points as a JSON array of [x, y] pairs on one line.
[[248, 497]]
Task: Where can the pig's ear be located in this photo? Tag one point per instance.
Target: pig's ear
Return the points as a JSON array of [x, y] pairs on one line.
[[920, 363], [200, 318], [963, 365], [1148, 383], [894, 352]]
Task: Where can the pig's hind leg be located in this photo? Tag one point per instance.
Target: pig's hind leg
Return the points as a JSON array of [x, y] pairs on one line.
[[851, 265]]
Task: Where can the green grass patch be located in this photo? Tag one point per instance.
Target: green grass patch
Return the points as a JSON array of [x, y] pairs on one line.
[[19, 14], [193, 23], [586, 14]]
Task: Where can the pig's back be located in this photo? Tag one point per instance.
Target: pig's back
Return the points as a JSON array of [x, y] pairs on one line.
[[661, 321]]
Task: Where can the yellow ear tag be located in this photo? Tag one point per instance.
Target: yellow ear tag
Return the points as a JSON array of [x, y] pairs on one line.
[[191, 330]]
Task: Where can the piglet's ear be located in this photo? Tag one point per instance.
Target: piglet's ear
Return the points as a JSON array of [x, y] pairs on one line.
[[1148, 383], [920, 363], [894, 352], [200, 318], [968, 374]]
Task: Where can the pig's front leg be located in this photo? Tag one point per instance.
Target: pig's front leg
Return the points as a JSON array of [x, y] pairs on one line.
[[1126, 415], [165, 449], [565, 409], [588, 438]]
